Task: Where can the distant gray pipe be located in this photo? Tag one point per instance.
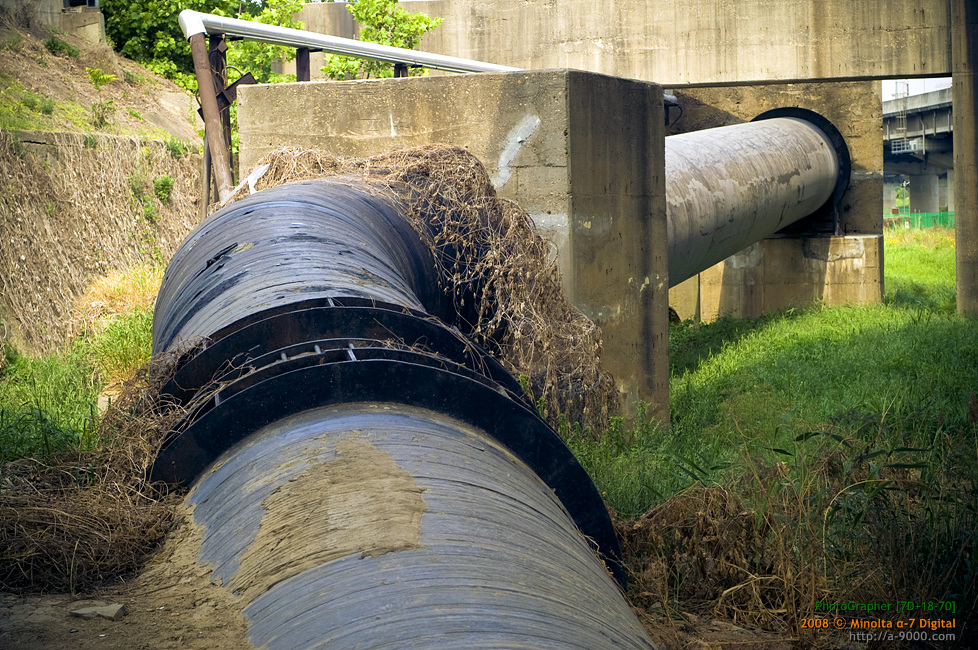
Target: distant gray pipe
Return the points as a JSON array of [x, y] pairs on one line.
[[729, 187]]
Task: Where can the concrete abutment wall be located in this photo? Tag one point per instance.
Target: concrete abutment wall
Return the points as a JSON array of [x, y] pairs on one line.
[[685, 41], [582, 153]]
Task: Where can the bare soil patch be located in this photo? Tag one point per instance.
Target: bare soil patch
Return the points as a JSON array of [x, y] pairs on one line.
[[171, 605]]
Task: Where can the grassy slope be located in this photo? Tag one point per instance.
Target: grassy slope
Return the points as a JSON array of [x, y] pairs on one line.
[[46, 88], [891, 375], [49, 404]]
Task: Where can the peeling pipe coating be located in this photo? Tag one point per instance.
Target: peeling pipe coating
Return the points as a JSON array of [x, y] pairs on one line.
[[730, 187], [366, 477]]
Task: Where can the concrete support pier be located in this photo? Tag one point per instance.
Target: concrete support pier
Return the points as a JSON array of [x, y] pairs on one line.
[[925, 193], [581, 152], [964, 54]]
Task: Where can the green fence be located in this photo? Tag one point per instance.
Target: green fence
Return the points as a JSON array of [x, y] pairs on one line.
[[920, 220]]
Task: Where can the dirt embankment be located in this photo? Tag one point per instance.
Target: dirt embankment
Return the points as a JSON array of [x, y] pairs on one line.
[[80, 197]]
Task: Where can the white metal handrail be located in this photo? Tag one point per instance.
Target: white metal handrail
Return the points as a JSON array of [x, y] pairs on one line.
[[194, 22]]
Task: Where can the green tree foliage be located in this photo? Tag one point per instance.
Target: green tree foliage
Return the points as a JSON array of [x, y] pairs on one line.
[[257, 58], [149, 32], [386, 23]]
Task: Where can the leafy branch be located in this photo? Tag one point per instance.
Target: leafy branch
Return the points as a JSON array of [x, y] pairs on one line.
[[385, 23]]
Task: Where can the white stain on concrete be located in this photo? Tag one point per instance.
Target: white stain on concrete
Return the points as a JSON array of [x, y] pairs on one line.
[[750, 257], [547, 222], [393, 132], [514, 142]]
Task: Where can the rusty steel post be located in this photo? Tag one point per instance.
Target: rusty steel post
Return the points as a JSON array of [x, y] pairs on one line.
[[217, 48], [205, 182], [213, 130]]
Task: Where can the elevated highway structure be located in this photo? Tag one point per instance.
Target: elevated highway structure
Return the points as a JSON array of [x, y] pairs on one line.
[[918, 147]]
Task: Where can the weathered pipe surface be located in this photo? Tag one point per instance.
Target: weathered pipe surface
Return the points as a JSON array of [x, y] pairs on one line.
[[729, 187], [365, 477], [376, 525], [290, 246]]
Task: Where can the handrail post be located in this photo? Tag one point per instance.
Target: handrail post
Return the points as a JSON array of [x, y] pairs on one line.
[[302, 72], [213, 129]]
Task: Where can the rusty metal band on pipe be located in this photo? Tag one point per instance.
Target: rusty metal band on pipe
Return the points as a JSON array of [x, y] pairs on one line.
[[366, 477], [729, 187]]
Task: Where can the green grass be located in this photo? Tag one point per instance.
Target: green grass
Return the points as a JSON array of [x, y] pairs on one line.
[[848, 436], [889, 375], [122, 347], [919, 267], [21, 109], [58, 47], [48, 405]]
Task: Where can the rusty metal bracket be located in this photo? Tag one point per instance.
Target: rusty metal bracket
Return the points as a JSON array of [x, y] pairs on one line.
[[229, 95]]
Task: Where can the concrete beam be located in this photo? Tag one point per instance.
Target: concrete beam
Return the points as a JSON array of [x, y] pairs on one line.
[[936, 163], [689, 41]]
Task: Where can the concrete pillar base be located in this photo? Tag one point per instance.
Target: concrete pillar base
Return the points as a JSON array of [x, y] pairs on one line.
[[925, 193], [780, 273]]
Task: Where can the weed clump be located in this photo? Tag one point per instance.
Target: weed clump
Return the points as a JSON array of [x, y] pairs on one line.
[[176, 148], [133, 78], [13, 42], [83, 517], [501, 275], [30, 101], [43, 105], [58, 47], [162, 186]]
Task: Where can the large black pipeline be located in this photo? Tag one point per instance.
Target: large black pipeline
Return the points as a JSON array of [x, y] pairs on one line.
[[365, 476]]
